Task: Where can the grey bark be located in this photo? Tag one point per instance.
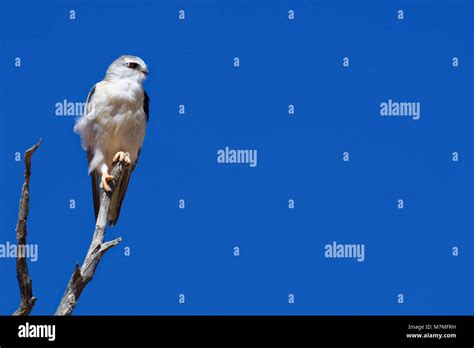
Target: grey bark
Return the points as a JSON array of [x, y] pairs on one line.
[[83, 274], [27, 300]]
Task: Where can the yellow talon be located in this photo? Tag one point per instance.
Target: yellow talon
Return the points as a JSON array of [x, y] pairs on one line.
[[103, 181], [122, 157]]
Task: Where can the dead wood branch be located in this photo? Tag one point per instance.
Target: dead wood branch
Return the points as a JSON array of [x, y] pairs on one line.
[[27, 300], [84, 274]]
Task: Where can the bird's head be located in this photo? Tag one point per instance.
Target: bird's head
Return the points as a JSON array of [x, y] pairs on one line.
[[131, 67]]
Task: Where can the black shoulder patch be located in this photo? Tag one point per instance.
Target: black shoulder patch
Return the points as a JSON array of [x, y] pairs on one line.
[[89, 98], [91, 93], [146, 108]]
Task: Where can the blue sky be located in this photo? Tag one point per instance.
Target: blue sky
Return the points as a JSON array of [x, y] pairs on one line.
[[283, 62]]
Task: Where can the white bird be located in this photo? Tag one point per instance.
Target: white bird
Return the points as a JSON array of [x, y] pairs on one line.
[[113, 127]]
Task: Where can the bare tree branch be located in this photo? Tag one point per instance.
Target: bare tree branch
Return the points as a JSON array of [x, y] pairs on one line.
[[84, 274], [27, 300]]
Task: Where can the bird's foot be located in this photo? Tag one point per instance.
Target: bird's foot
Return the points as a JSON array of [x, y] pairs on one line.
[[105, 178], [122, 157]]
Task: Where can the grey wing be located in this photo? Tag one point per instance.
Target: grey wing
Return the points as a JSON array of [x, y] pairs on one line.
[[146, 109], [90, 154]]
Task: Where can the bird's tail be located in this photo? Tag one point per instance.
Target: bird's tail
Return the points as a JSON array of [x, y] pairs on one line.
[[118, 196]]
